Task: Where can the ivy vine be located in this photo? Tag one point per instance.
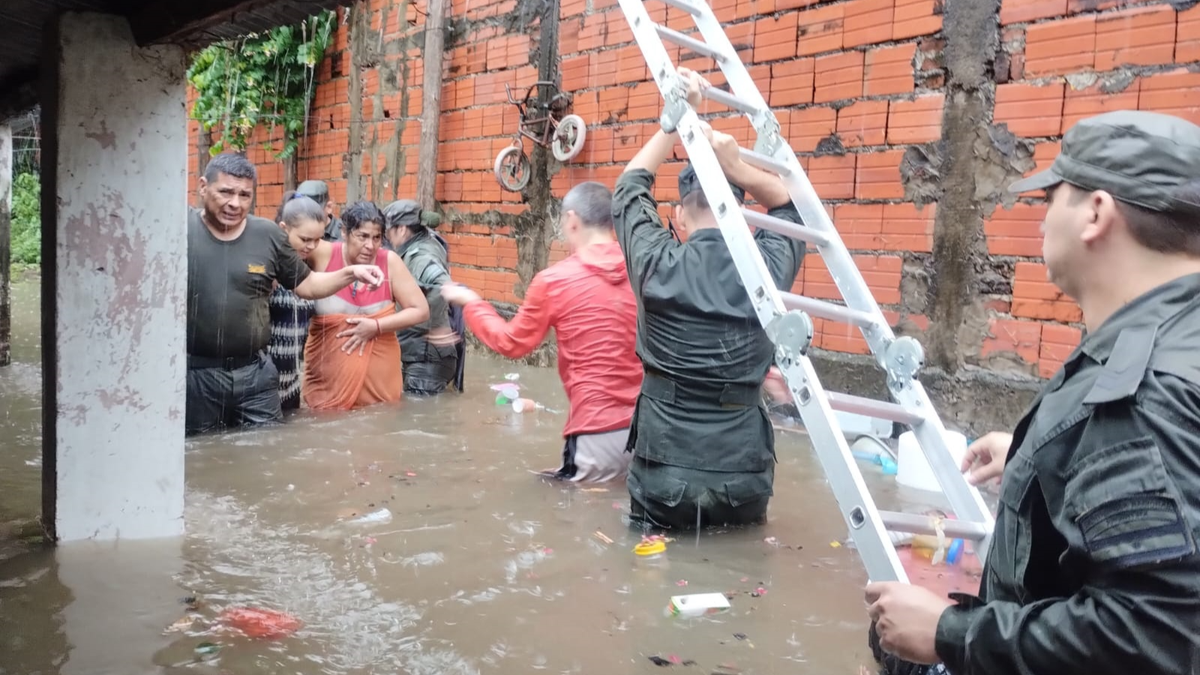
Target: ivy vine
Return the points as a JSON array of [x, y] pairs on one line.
[[263, 79]]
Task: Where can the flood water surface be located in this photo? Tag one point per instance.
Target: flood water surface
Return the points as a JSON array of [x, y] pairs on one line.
[[418, 539]]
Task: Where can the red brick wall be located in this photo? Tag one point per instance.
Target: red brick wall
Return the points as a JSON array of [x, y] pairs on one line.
[[866, 71]]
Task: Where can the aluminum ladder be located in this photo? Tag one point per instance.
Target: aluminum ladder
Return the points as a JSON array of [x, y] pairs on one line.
[[786, 316]]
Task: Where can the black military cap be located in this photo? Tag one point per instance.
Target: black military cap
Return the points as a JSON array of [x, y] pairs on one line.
[[402, 213], [1141, 158], [690, 182]]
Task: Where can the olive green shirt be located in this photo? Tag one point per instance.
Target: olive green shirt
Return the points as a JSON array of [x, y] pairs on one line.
[[1093, 566], [229, 283]]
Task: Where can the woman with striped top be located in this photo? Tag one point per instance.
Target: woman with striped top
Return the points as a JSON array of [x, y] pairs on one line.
[[302, 220]]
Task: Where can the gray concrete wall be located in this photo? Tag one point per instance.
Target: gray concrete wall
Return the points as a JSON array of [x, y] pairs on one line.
[[115, 242]]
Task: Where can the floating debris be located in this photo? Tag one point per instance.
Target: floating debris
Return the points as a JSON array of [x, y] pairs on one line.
[[180, 625], [602, 537], [207, 649], [260, 623]]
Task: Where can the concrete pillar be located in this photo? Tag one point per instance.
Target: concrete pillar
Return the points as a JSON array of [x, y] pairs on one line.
[[6, 176], [114, 257]]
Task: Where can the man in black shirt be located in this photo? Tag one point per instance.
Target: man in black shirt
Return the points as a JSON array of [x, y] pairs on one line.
[[234, 259], [1093, 566], [704, 448]]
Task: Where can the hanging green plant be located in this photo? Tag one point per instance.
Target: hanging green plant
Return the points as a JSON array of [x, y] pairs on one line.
[[265, 79]]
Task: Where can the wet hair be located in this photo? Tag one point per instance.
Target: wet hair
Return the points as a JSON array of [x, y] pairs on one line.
[[1166, 232], [592, 202], [231, 164], [360, 213], [297, 207], [696, 201]]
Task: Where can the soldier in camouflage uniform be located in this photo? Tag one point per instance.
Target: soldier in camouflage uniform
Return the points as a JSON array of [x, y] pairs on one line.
[[432, 352], [1093, 567]]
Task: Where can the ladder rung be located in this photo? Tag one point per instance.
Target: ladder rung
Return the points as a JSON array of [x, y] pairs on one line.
[[729, 100], [764, 162], [785, 228], [828, 310], [918, 524], [872, 408], [685, 6], [689, 43]]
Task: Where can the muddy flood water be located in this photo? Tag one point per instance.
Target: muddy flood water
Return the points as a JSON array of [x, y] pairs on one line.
[[466, 561]]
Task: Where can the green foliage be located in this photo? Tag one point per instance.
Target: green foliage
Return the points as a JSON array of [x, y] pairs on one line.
[[264, 79], [27, 219]]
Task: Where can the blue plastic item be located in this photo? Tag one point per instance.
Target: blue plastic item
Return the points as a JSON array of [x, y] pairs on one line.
[[889, 465], [955, 551]]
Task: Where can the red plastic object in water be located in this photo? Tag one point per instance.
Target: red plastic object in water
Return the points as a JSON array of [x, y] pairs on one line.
[[260, 623]]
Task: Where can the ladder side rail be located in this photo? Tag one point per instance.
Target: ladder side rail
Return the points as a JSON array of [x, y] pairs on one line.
[[859, 512], [964, 498]]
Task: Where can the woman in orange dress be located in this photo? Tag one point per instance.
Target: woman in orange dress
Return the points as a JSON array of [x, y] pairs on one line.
[[352, 356]]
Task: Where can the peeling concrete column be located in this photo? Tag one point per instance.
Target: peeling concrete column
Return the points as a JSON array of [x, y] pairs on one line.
[[6, 176], [972, 33], [114, 282]]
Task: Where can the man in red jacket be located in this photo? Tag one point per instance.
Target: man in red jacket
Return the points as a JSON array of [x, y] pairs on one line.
[[587, 299]]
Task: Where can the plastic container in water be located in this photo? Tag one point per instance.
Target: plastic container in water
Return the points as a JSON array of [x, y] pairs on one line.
[[651, 553], [912, 469]]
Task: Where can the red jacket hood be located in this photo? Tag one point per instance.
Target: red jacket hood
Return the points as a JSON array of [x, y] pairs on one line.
[[605, 261]]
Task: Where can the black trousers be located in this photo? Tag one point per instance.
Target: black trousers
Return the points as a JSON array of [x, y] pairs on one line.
[[228, 393], [674, 498]]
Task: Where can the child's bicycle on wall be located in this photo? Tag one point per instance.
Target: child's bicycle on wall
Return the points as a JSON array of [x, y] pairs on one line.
[[544, 120]]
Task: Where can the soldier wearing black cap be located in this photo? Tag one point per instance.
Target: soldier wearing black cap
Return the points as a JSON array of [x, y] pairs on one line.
[[1094, 565], [433, 352], [318, 191], [704, 448]]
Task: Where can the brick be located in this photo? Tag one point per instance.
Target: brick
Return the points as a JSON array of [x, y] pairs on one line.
[[820, 30], [1061, 335], [915, 121], [1060, 47], [860, 225], [838, 77], [775, 39], [1022, 338], [1034, 297], [1016, 231], [792, 83], [1175, 93], [1030, 110], [832, 176], [877, 175], [1187, 36], [645, 102], [863, 123], [1021, 11], [914, 18], [1081, 103], [907, 228], [867, 22], [1134, 37], [889, 70]]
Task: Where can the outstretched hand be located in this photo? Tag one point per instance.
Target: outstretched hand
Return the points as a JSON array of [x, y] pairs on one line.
[[370, 275], [985, 458], [459, 295]]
